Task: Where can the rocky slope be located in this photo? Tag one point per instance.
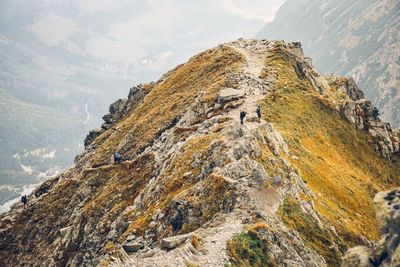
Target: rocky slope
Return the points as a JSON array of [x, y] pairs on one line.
[[352, 38], [197, 188]]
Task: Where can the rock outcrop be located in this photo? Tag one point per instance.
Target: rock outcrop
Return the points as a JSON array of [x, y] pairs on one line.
[[387, 209], [118, 110], [363, 115], [197, 187]]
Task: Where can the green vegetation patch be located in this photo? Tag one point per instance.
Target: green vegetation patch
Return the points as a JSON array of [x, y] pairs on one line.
[[249, 249]]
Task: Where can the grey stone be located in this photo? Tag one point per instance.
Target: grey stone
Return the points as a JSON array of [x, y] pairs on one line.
[[152, 224], [130, 238], [229, 94], [359, 256], [132, 246], [174, 241]]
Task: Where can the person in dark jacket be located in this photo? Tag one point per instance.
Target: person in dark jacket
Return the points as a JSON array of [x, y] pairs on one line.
[[24, 200], [117, 157], [258, 111], [242, 116]]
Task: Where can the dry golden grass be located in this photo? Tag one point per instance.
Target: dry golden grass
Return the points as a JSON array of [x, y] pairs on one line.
[[257, 226], [132, 175], [196, 241], [110, 247], [337, 161]]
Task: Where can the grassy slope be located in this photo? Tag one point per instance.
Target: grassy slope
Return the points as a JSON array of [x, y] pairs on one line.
[[336, 160], [203, 74]]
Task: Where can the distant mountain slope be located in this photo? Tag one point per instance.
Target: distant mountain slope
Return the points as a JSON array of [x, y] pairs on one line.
[[36, 141], [197, 187], [45, 107], [354, 38]]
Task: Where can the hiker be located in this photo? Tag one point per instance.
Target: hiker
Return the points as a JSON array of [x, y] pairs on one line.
[[258, 111], [117, 157], [24, 200], [177, 221], [242, 115]]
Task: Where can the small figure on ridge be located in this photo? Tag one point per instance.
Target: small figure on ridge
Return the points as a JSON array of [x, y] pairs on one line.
[[258, 111], [117, 157], [242, 115], [24, 200]]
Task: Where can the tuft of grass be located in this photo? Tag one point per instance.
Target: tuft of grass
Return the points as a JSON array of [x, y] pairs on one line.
[[191, 264], [110, 247], [196, 241], [249, 249], [260, 225]]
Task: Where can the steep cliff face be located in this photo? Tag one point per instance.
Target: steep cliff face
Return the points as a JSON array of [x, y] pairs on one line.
[[199, 188], [352, 38]]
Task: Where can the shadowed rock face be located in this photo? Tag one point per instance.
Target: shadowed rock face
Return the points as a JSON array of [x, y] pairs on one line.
[[387, 208], [196, 186]]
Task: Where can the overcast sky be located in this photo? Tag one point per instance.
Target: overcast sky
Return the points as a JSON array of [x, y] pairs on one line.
[[124, 36]]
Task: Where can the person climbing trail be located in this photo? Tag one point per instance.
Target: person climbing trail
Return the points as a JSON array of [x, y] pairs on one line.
[[258, 111], [117, 157], [242, 116], [24, 200]]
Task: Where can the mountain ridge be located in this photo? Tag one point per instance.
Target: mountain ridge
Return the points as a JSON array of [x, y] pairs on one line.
[[197, 184]]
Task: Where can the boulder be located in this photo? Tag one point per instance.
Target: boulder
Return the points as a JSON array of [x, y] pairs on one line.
[[65, 231], [364, 116], [252, 119], [345, 85], [130, 238], [387, 209], [229, 94], [158, 215], [118, 107], [45, 186], [152, 224], [359, 256], [117, 110], [133, 246], [174, 241]]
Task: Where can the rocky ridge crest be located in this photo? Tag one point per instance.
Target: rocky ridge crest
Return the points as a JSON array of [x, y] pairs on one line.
[[196, 182]]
